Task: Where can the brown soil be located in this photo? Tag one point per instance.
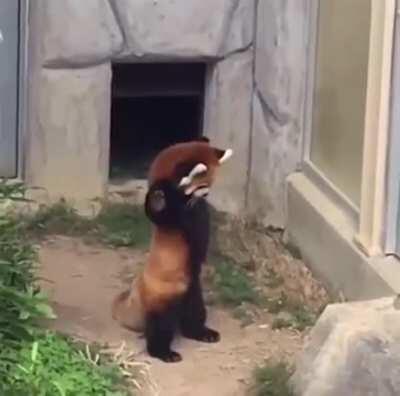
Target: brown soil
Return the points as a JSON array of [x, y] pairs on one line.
[[82, 280]]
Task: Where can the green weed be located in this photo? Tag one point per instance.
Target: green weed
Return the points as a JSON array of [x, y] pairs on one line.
[[123, 225], [33, 362], [12, 191], [21, 304], [52, 365], [272, 380], [299, 317], [117, 224], [232, 285], [59, 218]]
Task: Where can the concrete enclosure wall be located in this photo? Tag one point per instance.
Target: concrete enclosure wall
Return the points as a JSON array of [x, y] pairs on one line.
[[256, 56], [278, 104]]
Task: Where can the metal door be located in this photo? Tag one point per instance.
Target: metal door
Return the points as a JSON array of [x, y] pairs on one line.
[[9, 78]]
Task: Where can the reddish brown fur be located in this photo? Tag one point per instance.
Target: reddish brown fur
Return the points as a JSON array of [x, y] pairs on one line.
[[166, 275], [164, 166], [127, 309]]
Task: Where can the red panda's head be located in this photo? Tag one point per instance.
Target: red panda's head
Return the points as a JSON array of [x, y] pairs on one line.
[[192, 166]]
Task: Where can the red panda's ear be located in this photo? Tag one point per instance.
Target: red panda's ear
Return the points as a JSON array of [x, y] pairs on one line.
[[223, 155]]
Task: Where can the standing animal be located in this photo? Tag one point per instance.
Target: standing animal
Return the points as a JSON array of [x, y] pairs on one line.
[[167, 295]]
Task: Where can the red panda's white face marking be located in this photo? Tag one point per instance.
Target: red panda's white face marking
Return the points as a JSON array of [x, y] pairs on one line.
[[228, 154], [201, 177], [201, 192], [198, 169], [197, 187], [191, 165]]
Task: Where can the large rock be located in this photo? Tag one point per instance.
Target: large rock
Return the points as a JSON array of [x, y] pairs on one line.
[[69, 149], [161, 29], [227, 123], [280, 76], [79, 32], [353, 350]]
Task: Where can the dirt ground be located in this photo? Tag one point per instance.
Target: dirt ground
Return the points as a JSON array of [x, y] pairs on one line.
[[81, 281]]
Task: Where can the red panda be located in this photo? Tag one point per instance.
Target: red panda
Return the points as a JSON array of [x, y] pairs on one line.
[[167, 295]]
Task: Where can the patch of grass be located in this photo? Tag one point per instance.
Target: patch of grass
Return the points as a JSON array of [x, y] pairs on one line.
[[272, 379], [12, 191], [244, 314], [123, 225], [276, 305], [34, 362], [303, 318], [232, 285], [299, 316], [117, 224], [53, 365], [59, 218], [21, 304]]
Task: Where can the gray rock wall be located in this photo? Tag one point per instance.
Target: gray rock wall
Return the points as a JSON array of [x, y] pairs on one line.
[[228, 125], [159, 29], [79, 33], [70, 149], [279, 98], [254, 93]]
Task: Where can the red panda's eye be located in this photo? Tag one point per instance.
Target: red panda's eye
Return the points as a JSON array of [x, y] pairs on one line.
[[225, 156], [199, 168], [219, 153]]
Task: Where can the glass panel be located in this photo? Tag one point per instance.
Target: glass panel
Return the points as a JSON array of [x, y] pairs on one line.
[[340, 92]]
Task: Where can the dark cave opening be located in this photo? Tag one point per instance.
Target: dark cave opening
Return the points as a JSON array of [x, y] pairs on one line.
[[153, 106]]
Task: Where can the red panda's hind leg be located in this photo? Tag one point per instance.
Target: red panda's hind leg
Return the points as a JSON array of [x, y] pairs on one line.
[[193, 318], [160, 331]]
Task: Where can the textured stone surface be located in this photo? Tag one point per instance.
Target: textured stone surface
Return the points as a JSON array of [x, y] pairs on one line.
[[77, 32], [353, 350], [241, 28], [278, 104], [69, 151], [227, 123], [161, 29]]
